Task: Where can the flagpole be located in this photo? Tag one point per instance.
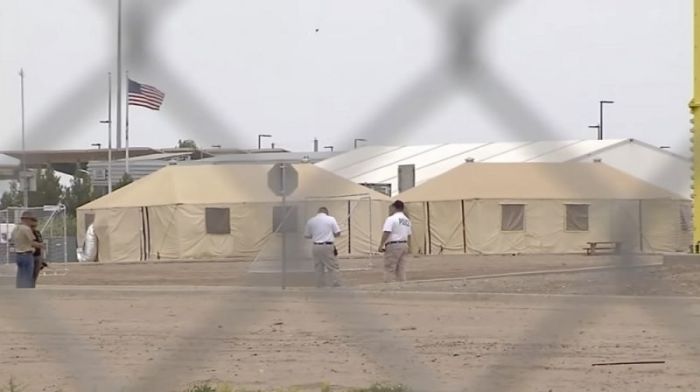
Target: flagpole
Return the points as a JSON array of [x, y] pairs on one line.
[[119, 74], [109, 135], [126, 160]]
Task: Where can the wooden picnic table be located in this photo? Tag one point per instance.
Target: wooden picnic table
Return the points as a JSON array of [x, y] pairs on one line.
[[609, 246]]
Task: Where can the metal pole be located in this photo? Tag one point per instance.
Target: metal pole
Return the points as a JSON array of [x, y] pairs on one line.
[[600, 124], [259, 144], [24, 179], [65, 236], [109, 135], [284, 232], [119, 74], [126, 156]]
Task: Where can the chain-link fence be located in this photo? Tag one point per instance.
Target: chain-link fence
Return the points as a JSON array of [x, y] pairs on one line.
[[354, 312], [53, 226]]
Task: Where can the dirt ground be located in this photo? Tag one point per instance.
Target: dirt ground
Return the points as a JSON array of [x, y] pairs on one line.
[[521, 323]]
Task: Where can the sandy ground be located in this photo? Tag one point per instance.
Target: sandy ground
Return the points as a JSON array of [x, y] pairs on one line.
[[159, 327]]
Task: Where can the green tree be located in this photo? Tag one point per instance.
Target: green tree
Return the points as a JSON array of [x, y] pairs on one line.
[[11, 197], [124, 181], [48, 188], [79, 192], [188, 143]]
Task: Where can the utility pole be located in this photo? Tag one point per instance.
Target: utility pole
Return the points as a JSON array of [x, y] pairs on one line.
[[24, 179], [119, 74]]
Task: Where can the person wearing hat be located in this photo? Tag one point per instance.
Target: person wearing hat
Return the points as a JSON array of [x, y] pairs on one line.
[[25, 245], [394, 243]]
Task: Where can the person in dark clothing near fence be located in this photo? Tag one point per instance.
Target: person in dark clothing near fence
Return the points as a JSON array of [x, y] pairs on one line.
[[39, 263]]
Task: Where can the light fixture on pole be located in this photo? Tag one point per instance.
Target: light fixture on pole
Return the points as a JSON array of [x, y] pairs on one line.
[[597, 128], [98, 145], [354, 143], [665, 147], [328, 148], [600, 124], [260, 136], [216, 146]]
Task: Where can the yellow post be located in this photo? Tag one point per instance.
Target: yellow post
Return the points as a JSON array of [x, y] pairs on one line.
[[695, 111]]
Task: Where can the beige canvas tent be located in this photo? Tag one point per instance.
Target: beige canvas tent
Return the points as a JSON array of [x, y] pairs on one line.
[[502, 208], [223, 211]]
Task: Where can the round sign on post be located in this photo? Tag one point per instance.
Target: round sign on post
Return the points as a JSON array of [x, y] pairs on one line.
[[282, 179]]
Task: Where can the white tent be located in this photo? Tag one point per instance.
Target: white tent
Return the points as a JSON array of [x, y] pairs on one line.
[[223, 211], [379, 164], [498, 208]]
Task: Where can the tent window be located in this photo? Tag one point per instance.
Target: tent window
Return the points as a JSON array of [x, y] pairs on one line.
[[577, 217], [217, 220], [512, 217], [686, 218]]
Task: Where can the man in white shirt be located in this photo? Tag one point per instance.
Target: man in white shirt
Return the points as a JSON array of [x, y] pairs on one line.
[[394, 243], [323, 229]]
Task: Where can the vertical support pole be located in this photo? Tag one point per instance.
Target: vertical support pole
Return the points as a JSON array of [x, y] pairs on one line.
[[284, 232], [65, 237], [24, 179], [695, 111]]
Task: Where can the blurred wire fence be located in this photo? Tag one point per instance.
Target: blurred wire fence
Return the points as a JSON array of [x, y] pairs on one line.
[[462, 71]]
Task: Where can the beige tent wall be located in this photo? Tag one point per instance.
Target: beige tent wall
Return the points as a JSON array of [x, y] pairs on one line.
[[164, 233], [661, 226], [483, 229], [178, 232], [119, 233], [417, 214], [446, 229], [251, 226], [366, 225], [545, 226]]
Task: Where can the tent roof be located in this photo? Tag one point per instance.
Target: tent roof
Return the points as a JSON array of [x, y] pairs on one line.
[[379, 164], [573, 181], [225, 184]]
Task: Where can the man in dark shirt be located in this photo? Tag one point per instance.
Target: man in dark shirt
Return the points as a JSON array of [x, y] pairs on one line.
[[39, 263]]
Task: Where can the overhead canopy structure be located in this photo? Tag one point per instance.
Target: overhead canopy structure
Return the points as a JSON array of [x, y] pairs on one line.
[[379, 164], [222, 211], [8, 167], [499, 208]]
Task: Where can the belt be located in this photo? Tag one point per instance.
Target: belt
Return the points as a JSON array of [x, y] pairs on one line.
[[396, 242], [323, 243], [29, 252]]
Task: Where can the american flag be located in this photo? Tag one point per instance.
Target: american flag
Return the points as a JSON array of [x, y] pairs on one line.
[[145, 95]]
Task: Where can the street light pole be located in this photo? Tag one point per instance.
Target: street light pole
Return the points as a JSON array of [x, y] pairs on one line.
[[600, 124], [24, 179], [109, 132], [358, 140], [329, 148], [260, 136]]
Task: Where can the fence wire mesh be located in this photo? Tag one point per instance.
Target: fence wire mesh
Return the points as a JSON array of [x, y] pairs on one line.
[[236, 315]]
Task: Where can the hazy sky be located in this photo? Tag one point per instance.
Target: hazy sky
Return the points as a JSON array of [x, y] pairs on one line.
[[234, 68]]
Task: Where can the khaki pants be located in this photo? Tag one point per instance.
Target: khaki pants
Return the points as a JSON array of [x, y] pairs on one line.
[[326, 265], [395, 256]]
